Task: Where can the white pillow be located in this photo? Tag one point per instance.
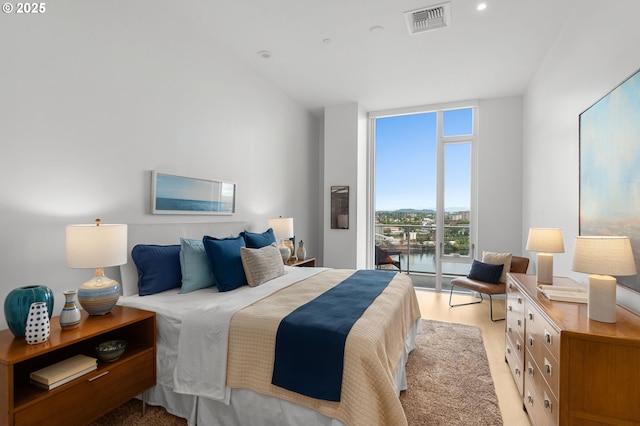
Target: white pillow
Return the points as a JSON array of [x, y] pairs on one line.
[[262, 264], [497, 259]]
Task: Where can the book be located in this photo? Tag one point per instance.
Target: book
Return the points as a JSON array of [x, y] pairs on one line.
[[63, 369], [564, 294], [65, 380]]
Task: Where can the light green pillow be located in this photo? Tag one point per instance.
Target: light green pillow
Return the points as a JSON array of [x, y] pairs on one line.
[[194, 264], [262, 264]]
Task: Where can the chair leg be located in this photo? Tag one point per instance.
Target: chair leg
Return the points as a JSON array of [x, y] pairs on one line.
[[463, 304], [475, 303], [491, 309]]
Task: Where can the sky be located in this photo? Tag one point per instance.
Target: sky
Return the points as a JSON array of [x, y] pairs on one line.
[[406, 161]]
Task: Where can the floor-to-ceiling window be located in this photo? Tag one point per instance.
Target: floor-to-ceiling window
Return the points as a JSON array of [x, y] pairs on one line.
[[422, 173]]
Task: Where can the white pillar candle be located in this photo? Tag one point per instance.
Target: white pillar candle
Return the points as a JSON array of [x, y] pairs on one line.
[[602, 298]]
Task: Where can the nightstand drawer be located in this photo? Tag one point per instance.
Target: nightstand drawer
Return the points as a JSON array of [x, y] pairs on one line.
[[95, 395]]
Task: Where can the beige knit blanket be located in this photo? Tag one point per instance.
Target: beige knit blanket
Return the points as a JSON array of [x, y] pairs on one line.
[[373, 349]]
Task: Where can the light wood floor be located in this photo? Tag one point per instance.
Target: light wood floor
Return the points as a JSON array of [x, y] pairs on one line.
[[435, 306]]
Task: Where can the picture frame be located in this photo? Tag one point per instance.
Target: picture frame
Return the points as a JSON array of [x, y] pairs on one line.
[[340, 207], [609, 188], [174, 194]]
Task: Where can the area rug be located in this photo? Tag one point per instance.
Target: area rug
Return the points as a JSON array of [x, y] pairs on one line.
[[448, 378], [449, 383]]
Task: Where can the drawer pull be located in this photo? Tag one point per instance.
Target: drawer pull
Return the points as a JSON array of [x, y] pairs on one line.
[[517, 371], [509, 351], [547, 402], [98, 376], [547, 366], [530, 368], [519, 323], [510, 308], [518, 346], [509, 330], [530, 316], [531, 340], [519, 299], [530, 399], [547, 337]]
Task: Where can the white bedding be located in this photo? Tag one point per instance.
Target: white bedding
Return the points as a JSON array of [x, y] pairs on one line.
[[197, 324]]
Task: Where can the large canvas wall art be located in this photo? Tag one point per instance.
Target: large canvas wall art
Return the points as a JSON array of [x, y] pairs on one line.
[[610, 168], [172, 194]]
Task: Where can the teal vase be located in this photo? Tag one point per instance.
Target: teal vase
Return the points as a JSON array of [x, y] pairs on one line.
[[18, 302]]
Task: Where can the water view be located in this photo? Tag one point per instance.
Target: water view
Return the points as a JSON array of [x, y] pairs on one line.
[[423, 160]]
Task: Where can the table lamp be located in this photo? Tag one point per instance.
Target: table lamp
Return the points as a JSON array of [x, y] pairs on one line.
[[97, 246], [602, 257], [545, 241], [283, 230]]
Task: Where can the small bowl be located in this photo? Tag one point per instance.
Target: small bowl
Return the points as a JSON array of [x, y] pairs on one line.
[[111, 350]]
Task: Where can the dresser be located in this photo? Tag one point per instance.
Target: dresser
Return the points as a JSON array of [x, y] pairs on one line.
[[571, 370]]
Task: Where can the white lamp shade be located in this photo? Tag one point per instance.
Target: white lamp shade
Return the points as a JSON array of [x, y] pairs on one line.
[[282, 227], [545, 240], [96, 246], [603, 256]]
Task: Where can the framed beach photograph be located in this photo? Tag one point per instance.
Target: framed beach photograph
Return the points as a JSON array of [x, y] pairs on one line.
[[171, 194]]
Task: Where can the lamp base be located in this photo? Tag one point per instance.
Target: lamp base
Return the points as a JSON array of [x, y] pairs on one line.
[[98, 295], [544, 273], [602, 298]]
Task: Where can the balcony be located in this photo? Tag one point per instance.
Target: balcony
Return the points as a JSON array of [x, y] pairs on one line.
[[416, 246]]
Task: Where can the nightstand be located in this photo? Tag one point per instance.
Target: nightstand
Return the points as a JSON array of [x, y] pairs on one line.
[[311, 262], [90, 396]]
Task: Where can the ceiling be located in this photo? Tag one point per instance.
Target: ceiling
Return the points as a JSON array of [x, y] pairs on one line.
[[323, 52]]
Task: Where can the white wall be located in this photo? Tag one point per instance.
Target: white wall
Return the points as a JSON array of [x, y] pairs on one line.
[[500, 176], [95, 95], [344, 165], [597, 50]]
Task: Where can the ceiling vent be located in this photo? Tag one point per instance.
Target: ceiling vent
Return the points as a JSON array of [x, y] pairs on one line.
[[428, 18]]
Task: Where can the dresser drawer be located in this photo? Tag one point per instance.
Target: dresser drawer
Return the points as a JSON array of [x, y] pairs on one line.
[[545, 334], [94, 395], [543, 343], [516, 364], [540, 402], [515, 309]]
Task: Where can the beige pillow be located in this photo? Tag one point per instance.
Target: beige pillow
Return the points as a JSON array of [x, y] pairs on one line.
[[261, 265], [497, 259]]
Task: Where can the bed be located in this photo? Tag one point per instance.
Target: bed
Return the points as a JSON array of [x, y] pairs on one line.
[[216, 351]]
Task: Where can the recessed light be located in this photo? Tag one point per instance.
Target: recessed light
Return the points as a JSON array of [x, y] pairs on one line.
[[376, 29], [482, 6], [264, 54], [327, 41]]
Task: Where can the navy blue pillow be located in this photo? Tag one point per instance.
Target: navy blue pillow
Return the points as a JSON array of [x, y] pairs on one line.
[[254, 240], [158, 267], [226, 264], [485, 272]]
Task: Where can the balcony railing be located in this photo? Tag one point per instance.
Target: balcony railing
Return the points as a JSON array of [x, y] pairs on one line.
[[417, 247]]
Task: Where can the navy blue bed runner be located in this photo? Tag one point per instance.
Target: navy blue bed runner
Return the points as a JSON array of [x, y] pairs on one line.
[[309, 353]]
